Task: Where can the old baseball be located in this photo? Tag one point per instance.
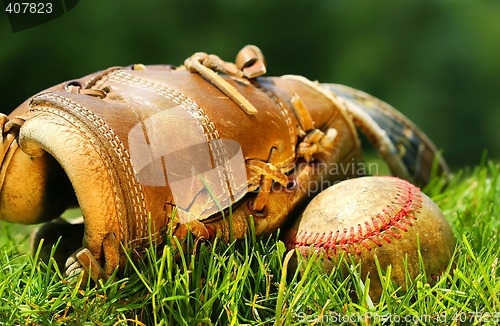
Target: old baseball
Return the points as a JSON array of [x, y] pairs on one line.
[[383, 217]]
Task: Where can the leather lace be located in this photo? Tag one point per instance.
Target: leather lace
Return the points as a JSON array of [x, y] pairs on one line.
[[249, 64], [8, 142]]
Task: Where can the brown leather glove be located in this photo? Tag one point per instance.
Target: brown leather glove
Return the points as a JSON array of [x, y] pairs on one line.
[[173, 148]]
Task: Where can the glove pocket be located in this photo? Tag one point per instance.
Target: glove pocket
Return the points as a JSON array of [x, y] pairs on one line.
[[53, 130], [33, 188]]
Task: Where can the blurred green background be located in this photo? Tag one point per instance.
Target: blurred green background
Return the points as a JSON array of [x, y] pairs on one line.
[[438, 62]]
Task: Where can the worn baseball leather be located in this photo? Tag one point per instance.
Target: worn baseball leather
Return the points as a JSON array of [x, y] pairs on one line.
[[164, 147], [375, 220]]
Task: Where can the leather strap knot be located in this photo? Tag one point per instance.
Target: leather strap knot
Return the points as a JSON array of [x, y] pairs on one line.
[[249, 64], [269, 173]]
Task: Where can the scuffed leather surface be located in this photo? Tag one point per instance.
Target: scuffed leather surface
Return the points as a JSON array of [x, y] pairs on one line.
[[95, 141]]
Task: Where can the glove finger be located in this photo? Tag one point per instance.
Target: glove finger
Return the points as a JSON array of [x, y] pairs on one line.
[[60, 240]]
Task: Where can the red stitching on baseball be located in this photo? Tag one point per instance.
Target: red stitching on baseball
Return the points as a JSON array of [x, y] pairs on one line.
[[383, 227]]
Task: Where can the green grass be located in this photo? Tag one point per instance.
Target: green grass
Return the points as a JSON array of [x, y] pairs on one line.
[[245, 282]]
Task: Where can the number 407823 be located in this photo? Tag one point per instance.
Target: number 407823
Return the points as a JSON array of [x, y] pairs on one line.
[[28, 8]]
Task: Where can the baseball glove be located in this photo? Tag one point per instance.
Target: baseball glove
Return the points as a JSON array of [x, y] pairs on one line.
[[147, 149]]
